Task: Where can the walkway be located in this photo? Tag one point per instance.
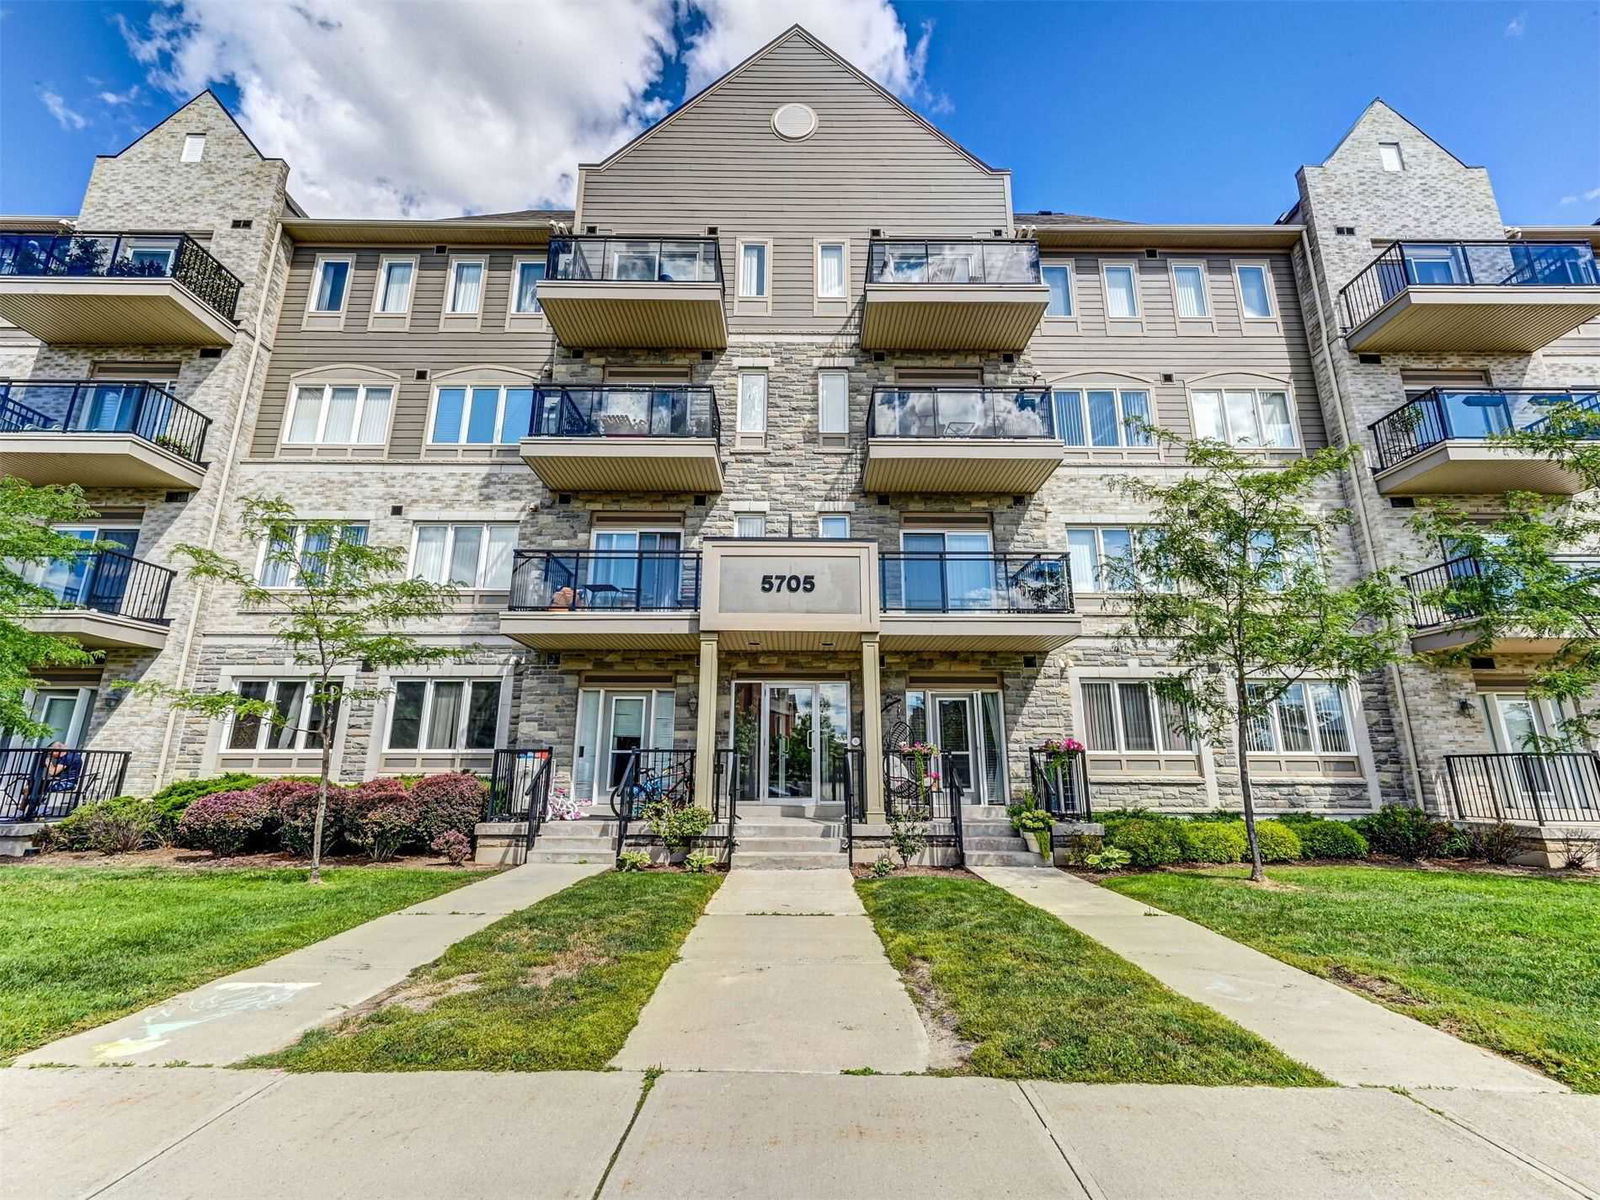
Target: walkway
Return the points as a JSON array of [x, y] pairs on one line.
[[1349, 1039], [266, 1007], [260, 1135], [783, 973]]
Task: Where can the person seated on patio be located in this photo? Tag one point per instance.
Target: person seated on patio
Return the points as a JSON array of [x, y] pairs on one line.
[[59, 770]]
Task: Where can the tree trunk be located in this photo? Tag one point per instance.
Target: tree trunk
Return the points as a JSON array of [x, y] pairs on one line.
[[1241, 740], [322, 798]]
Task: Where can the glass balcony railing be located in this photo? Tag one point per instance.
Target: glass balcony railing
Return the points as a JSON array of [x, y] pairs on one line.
[[1443, 414], [605, 580], [953, 262], [1465, 264], [626, 410], [635, 260], [974, 582], [955, 412], [142, 410], [175, 256]]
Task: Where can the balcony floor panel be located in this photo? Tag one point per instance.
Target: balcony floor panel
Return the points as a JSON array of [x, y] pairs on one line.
[[624, 464], [560, 629], [677, 316], [95, 460], [98, 630], [972, 466], [910, 316], [1029, 633], [1446, 638], [1513, 319], [1461, 467], [98, 311]]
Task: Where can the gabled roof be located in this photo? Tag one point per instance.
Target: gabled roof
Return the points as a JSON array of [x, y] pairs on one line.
[[793, 33], [195, 99], [1376, 102]]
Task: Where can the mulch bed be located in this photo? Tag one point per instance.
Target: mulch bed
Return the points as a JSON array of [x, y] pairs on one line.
[[203, 860]]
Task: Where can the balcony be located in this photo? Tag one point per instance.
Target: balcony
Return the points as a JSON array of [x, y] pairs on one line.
[[116, 289], [1539, 788], [100, 435], [604, 599], [649, 293], [973, 601], [1472, 296], [1447, 601], [625, 439], [103, 599], [996, 441], [956, 295], [45, 784]]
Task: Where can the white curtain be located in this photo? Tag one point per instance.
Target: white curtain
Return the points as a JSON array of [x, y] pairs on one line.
[[468, 286], [429, 562], [341, 421], [753, 402], [374, 427], [497, 566], [834, 399], [753, 271], [307, 414], [1191, 291], [830, 272], [396, 288]]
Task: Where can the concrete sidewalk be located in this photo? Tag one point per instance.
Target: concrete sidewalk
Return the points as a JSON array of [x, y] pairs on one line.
[[1349, 1039], [784, 972], [266, 1007], [186, 1134]]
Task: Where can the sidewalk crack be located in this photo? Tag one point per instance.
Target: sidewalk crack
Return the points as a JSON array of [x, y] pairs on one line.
[[1086, 1181]]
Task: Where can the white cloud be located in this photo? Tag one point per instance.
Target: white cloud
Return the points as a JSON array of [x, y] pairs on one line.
[[1591, 194], [116, 98], [59, 110], [432, 109], [1517, 26]]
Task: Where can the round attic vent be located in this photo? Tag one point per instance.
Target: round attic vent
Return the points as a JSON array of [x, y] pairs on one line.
[[794, 121]]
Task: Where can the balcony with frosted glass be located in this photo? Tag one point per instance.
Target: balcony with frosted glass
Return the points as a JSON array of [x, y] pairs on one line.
[[607, 599], [625, 438], [952, 295], [942, 600], [989, 441], [631, 292]]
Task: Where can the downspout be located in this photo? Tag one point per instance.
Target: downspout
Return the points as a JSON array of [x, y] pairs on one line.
[[224, 478], [1369, 550]]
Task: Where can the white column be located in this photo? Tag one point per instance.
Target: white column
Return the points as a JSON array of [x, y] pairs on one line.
[[872, 725], [705, 729]]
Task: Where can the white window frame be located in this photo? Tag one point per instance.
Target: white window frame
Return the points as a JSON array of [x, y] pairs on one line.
[[195, 142], [827, 373], [513, 303], [328, 318], [1317, 750], [1117, 390], [451, 318], [754, 301], [824, 517], [1157, 718], [1399, 157], [1066, 267], [1255, 390], [1093, 588], [469, 388], [450, 527], [1131, 265], [400, 318], [299, 528], [1174, 265], [739, 421], [298, 721], [459, 747], [740, 518], [1238, 267], [816, 268], [322, 417]]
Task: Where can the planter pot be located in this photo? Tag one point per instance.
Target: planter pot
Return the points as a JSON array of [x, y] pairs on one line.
[[1041, 839]]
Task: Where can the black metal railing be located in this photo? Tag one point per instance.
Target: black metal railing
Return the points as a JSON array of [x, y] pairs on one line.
[[635, 260], [605, 580], [1542, 788], [1000, 260], [626, 410], [975, 582], [650, 777], [1061, 784], [143, 410], [175, 256], [519, 790], [923, 791], [1442, 414], [957, 412], [1402, 265], [106, 581], [47, 784], [1454, 591]]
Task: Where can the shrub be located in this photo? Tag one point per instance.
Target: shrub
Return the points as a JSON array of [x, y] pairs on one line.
[[182, 792], [1330, 839], [907, 835], [116, 826], [445, 802], [1278, 842], [676, 826], [384, 817], [1407, 833], [1148, 843], [1109, 859], [882, 866], [1497, 843], [1214, 842], [698, 862], [633, 860], [1576, 848], [454, 845], [228, 822], [1218, 816]]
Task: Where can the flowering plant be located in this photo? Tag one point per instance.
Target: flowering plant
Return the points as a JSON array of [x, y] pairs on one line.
[[1058, 752], [563, 807], [919, 749]]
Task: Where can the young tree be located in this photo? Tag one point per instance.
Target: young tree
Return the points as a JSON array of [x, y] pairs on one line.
[[336, 603], [27, 539], [1232, 583]]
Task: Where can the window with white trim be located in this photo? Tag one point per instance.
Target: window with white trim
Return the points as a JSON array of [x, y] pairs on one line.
[[1191, 292], [1283, 558], [194, 147], [753, 270], [1309, 718], [750, 525], [1129, 716], [298, 720], [294, 553], [471, 556], [1391, 158], [832, 269], [1254, 281], [1244, 417], [752, 402], [395, 277], [444, 714], [339, 415], [833, 401], [525, 287], [1059, 280], [330, 286], [488, 414], [464, 291], [833, 525], [1105, 558], [1103, 416], [1122, 290]]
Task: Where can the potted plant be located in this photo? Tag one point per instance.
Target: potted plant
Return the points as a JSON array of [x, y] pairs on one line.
[[919, 756], [1035, 825], [1059, 752]]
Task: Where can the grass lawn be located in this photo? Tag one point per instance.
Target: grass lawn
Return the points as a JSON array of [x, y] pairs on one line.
[[81, 946], [1035, 999], [555, 987], [1508, 962]]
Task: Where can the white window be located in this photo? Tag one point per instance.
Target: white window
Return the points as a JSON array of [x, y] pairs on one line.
[[1282, 559], [444, 714], [1244, 417], [831, 270], [298, 720], [339, 415], [464, 295], [1131, 717], [1255, 290], [481, 415], [1102, 558], [1103, 416], [752, 402], [750, 525], [753, 270], [294, 554], [395, 278], [1389, 155], [1059, 280], [833, 525], [330, 285], [525, 298], [470, 556], [1309, 718], [194, 147], [833, 401], [1190, 291], [1122, 290]]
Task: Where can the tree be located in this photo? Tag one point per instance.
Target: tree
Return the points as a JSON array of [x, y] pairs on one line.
[[343, 605], [1232, 582], [27, 540]]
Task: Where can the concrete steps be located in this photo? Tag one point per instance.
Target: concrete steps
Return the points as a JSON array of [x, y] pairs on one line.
[[988, 840], [779, 842], [1005, 858], [769, 860]]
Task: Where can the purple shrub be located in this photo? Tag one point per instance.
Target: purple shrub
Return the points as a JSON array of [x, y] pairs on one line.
[[229, 822], [455, 846], [296, 803], [384, 818], [448, 802]]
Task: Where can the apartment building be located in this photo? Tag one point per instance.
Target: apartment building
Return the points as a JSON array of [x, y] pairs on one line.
[[792, 442]]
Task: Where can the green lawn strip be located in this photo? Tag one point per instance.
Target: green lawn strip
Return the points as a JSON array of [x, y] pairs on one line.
[[557, 986], [1508, 962], [1038, 1000], [80, 946]]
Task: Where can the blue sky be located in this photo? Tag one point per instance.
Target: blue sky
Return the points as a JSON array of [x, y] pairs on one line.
[[1169, 112]]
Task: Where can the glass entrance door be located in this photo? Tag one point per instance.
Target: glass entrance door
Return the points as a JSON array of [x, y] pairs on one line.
[[789, 740], [953, 720], [624, 733], [969, 730], [1516, 722]]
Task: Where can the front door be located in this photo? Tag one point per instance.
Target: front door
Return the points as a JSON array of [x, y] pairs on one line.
[[623, 734], [968, 728], [789, 741], [1516, 723]]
